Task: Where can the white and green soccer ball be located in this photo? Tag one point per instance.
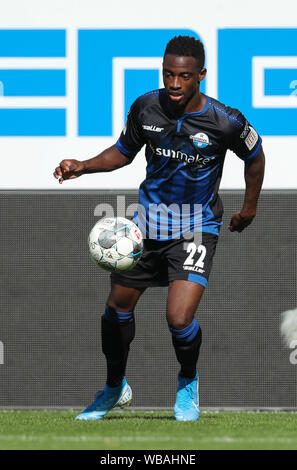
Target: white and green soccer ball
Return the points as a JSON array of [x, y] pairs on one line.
[[115, 244]]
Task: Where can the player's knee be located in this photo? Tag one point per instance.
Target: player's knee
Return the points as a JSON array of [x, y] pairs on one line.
[[186, 334], [122, 299], [179, 323], [120, 303], [179, 319], [119, 306]]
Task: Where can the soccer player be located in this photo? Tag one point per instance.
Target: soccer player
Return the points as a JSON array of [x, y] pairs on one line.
[[186, 135]]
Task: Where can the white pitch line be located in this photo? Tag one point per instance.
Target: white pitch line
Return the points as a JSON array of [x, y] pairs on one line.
[[116, 439]]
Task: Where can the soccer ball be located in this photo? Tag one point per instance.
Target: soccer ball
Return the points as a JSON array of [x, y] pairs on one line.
[[115, 244]]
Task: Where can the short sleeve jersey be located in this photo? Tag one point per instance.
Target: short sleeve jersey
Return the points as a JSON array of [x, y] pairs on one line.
[[185, 157]]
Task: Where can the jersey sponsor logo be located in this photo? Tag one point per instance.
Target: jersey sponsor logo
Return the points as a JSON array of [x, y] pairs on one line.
[[201, 140], [197, 160], [251, 139], [152, 128]]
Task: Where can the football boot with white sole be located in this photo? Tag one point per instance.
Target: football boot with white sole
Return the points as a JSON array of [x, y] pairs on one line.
[[106, 400]]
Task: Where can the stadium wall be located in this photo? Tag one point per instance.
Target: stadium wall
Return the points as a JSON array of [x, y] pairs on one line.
[[52, 297], [68, 73]]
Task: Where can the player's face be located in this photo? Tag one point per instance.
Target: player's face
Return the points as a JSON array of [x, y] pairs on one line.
[[182, 76]]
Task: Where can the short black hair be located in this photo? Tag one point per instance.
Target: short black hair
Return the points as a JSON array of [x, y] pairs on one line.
[[186, 46]]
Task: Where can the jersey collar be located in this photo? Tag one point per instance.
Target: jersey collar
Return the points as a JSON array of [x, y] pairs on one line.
[[183, 116]]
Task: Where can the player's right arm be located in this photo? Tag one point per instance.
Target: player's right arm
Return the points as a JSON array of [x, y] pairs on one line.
[[108, 160], [118, 155]]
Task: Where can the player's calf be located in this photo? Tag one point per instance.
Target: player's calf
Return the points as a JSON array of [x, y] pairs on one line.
[[117, 331], [186, 343]]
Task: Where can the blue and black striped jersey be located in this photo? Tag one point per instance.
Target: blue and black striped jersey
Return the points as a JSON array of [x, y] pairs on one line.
[[185, 157]]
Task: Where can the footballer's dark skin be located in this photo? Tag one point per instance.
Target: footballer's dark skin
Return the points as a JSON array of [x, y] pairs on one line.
[[108, 160], [253, 174], [182, 76]]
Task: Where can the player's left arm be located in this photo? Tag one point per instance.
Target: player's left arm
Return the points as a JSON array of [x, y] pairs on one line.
[[253, 174]]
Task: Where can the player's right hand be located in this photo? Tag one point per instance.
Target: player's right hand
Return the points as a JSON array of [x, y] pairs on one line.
[[68, 169]]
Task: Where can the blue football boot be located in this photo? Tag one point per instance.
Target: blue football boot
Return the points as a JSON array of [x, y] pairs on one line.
[[106, 399], [186, 407]]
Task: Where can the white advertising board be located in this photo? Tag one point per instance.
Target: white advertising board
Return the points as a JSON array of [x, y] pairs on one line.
[[69, 69]]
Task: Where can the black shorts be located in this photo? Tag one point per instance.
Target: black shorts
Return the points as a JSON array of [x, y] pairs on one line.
[[166, 261]]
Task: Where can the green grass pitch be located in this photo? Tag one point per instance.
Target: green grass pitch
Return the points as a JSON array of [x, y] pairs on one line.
[[147, 430]]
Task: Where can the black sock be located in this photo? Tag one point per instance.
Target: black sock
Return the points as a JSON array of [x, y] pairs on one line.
[[187, 354], [116, 339]]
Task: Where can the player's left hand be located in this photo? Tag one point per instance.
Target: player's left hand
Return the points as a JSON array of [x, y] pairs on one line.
[[239, 222]]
